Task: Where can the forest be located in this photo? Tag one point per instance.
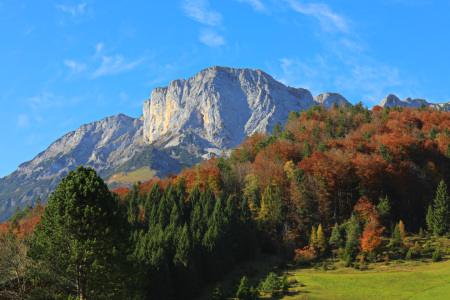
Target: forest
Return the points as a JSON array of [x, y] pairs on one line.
[[347, 182]]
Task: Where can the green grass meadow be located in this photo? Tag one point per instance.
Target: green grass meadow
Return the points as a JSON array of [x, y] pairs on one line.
[[419, 278], [397, 281]]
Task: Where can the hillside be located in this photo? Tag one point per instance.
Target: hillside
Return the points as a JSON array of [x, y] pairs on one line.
[[337, 188], [184, 123]]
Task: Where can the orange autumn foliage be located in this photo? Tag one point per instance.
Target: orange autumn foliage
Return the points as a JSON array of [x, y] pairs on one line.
[[371, 240]]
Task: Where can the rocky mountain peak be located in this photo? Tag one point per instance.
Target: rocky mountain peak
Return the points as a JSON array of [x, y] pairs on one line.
[[391, 100], [328, 99], [221, 106]]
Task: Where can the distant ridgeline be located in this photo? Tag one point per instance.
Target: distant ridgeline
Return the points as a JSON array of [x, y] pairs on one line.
[[182, 124]]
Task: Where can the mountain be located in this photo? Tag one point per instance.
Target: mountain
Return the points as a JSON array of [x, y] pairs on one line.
[[219, 107], [392, 100], [183, 123], [328, 99]]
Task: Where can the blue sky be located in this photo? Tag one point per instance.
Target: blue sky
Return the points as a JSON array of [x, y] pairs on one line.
[[68, 63]]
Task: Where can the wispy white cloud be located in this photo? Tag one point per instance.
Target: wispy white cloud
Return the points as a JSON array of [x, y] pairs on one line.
[[22, 121], [74, 66], [256, 4], [44, 100], [114, 65], [200, 11], [74, 10], [38, 106], [211, 38], [329, 20], [98, 48]]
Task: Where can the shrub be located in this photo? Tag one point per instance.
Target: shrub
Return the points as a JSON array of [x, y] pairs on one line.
[[436, 255], [305, 255], [217, 293], [408, 255], [347, 261], [245, 291], [271, 285], [285, 284], [421, 233]]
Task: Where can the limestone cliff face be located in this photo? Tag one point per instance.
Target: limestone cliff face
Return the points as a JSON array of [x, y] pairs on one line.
[[101, 145], [220, 106]]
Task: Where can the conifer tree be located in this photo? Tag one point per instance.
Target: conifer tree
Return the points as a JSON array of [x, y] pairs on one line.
[[430, 218], [336, 240], [321, 242], [313, 238], [384, 207], [353, 234], [82, 237], [441, 211], [245, 291], [397, 239]]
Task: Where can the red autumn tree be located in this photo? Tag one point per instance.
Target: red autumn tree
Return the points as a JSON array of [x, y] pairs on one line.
[[371, 240]]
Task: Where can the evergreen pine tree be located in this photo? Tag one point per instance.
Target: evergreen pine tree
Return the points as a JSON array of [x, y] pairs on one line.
[[441, 211], [430, 218], [83, 238], [353, 234], [245, 292], [397, 239], [284, 284], [336, 240], [384, 207], [408, 254]]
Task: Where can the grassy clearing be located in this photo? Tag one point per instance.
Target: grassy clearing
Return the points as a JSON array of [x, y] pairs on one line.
[[396, 281], [419, 278], [128, 178]]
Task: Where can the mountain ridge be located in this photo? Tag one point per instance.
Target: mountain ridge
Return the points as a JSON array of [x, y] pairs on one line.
[[182, 123]]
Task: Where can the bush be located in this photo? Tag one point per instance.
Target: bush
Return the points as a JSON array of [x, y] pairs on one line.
[[421, 233], [436, 255], [408, 255], [271, 285], [285, 284], [305, 255], [245, 291], [347, 261], [217, 293]]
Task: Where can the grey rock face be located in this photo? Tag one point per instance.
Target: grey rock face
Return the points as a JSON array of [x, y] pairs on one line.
[[328, 99], [101, 145], [392, 100], [221, 106]]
